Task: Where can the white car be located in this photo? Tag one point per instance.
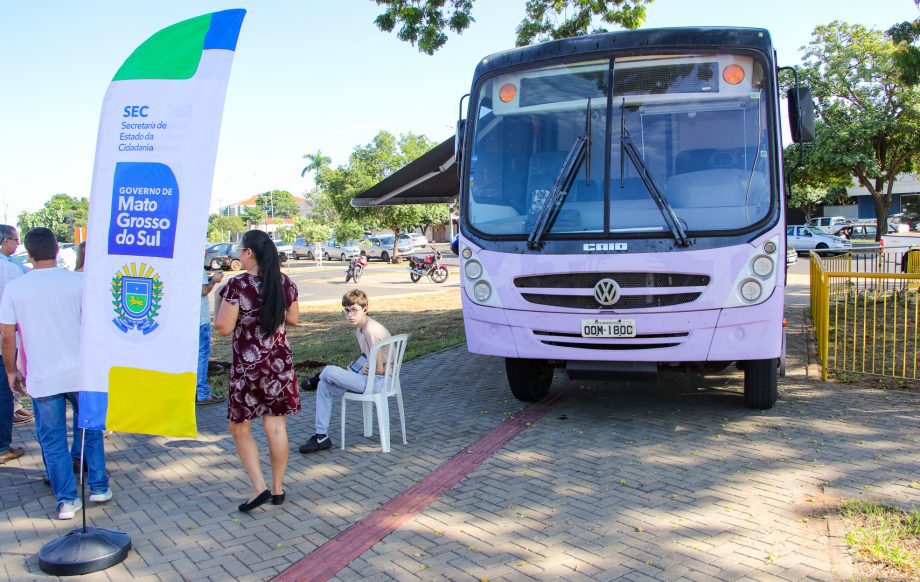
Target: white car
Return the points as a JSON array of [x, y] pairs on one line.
[[806, 238], [418, 239], [285, 250]]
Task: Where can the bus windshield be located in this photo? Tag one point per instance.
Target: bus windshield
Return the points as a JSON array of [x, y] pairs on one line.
[[697, 122]]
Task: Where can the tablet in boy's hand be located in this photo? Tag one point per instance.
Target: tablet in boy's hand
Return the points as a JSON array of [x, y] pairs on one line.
[[358, 364]]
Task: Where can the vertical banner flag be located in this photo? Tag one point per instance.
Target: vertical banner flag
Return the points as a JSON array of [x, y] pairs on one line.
[[147, 227]]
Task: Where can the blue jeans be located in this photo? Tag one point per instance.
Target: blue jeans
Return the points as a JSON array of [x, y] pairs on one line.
[[202, 388], [6, 411], [51, 430]]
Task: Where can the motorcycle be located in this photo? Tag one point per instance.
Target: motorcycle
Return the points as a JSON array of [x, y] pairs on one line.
[[431, 266], [355, 268]]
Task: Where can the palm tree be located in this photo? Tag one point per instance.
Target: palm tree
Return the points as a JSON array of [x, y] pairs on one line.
[[315, 162]]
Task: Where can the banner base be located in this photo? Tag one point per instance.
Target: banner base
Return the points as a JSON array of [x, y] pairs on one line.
[[83, 551]]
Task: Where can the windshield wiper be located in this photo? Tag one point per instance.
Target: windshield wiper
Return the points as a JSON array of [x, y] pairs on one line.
[[667, 211], [580, 151]]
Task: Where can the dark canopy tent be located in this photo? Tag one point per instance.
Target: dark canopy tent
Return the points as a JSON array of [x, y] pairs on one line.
[[430, 179]]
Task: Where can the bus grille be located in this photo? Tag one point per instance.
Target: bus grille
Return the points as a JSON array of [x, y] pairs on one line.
[[624, 280], [625, 302], [657, 289]]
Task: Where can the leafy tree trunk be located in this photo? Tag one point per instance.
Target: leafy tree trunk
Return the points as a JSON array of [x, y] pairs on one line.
[[881, 198]]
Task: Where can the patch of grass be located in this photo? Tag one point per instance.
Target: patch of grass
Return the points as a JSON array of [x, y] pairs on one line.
[[323, 337], [887, 538]]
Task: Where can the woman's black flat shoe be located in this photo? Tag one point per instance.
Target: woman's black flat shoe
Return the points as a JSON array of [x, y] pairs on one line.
[[250, 505], [278, 499]]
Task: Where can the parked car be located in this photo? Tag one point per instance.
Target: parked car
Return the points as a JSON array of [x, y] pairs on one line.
[[381, 247], [864, 231], [830, 224], [21, 258], [214, 254], [285, 250], [231, 261], [301, 249], [342, 251], [418, 239], [806, 238], [904, 222]]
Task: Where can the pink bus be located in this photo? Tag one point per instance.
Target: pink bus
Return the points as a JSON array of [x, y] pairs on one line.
[[622, 207]]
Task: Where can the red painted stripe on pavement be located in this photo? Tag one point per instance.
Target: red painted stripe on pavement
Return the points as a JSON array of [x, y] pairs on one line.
[[328, 559]]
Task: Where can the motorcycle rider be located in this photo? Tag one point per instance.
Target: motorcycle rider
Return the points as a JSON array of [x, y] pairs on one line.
[[334, 381]]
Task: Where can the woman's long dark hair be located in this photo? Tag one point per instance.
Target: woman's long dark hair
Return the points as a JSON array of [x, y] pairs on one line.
[[273, 302]]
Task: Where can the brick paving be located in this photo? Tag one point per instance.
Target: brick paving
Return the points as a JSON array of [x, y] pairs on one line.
[[618, 481]]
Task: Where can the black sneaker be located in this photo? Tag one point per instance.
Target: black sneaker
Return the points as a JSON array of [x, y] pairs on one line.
[[316, 443], [310, 384]]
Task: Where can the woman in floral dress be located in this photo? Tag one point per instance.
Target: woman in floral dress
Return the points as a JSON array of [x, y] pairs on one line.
[[255, 307]]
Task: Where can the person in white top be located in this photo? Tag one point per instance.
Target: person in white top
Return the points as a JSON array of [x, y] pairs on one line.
[[46, 304], [9, 270], [335, 381]]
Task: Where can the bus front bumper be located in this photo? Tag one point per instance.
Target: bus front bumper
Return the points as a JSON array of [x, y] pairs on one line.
[[715, 335]]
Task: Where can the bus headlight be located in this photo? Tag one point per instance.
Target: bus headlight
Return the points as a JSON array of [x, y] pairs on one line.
[[762, 266], [473, 269], [769, 247], [482, 291], [751, 290], [467, 253]]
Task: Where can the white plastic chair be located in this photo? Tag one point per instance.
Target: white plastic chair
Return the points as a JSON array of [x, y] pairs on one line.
[[390, 387]]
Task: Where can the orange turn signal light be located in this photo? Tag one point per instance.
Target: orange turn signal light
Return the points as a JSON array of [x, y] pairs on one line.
[[507, 93], [733, 74]]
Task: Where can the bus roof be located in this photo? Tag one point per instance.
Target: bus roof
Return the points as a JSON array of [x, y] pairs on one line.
[[664, 39]]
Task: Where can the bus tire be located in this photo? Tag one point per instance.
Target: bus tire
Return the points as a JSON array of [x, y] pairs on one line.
[[760, 390], [529, 379]]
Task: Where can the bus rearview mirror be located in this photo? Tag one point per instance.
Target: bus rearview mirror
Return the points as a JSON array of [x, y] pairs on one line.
[[801, 114]]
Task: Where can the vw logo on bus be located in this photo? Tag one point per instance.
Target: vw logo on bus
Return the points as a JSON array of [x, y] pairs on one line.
[[606, 291]]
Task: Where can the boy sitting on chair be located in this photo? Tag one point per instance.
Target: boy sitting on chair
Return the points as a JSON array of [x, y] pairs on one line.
[[335, 381]]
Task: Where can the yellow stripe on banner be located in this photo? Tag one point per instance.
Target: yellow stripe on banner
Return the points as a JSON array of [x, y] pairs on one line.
[[151, 402]]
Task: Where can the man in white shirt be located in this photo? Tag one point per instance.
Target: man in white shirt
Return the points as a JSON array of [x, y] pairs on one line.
[[9, 270], [46, 304]]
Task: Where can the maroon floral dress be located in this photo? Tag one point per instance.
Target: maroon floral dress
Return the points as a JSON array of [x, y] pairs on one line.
[[262, 378]]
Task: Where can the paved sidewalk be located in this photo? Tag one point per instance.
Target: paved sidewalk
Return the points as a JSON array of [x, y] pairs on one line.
[[617, 481]]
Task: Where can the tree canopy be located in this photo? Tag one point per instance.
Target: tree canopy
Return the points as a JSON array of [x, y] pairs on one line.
[[315, 162], [281, 200], [61, 213], [424, 22], [369, 164], [224, 228], [906, 36], [253, 215], [868, 122]]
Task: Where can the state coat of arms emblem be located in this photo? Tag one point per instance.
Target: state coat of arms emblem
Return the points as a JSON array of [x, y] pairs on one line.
[[136, 295]]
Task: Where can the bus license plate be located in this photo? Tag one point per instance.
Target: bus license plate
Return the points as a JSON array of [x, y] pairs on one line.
[[608, 328]]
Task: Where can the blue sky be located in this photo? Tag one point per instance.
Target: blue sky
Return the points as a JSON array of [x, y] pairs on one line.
[[307, 75]]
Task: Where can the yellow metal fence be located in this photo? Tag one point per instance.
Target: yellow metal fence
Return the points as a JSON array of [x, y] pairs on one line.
[[864, 305]]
